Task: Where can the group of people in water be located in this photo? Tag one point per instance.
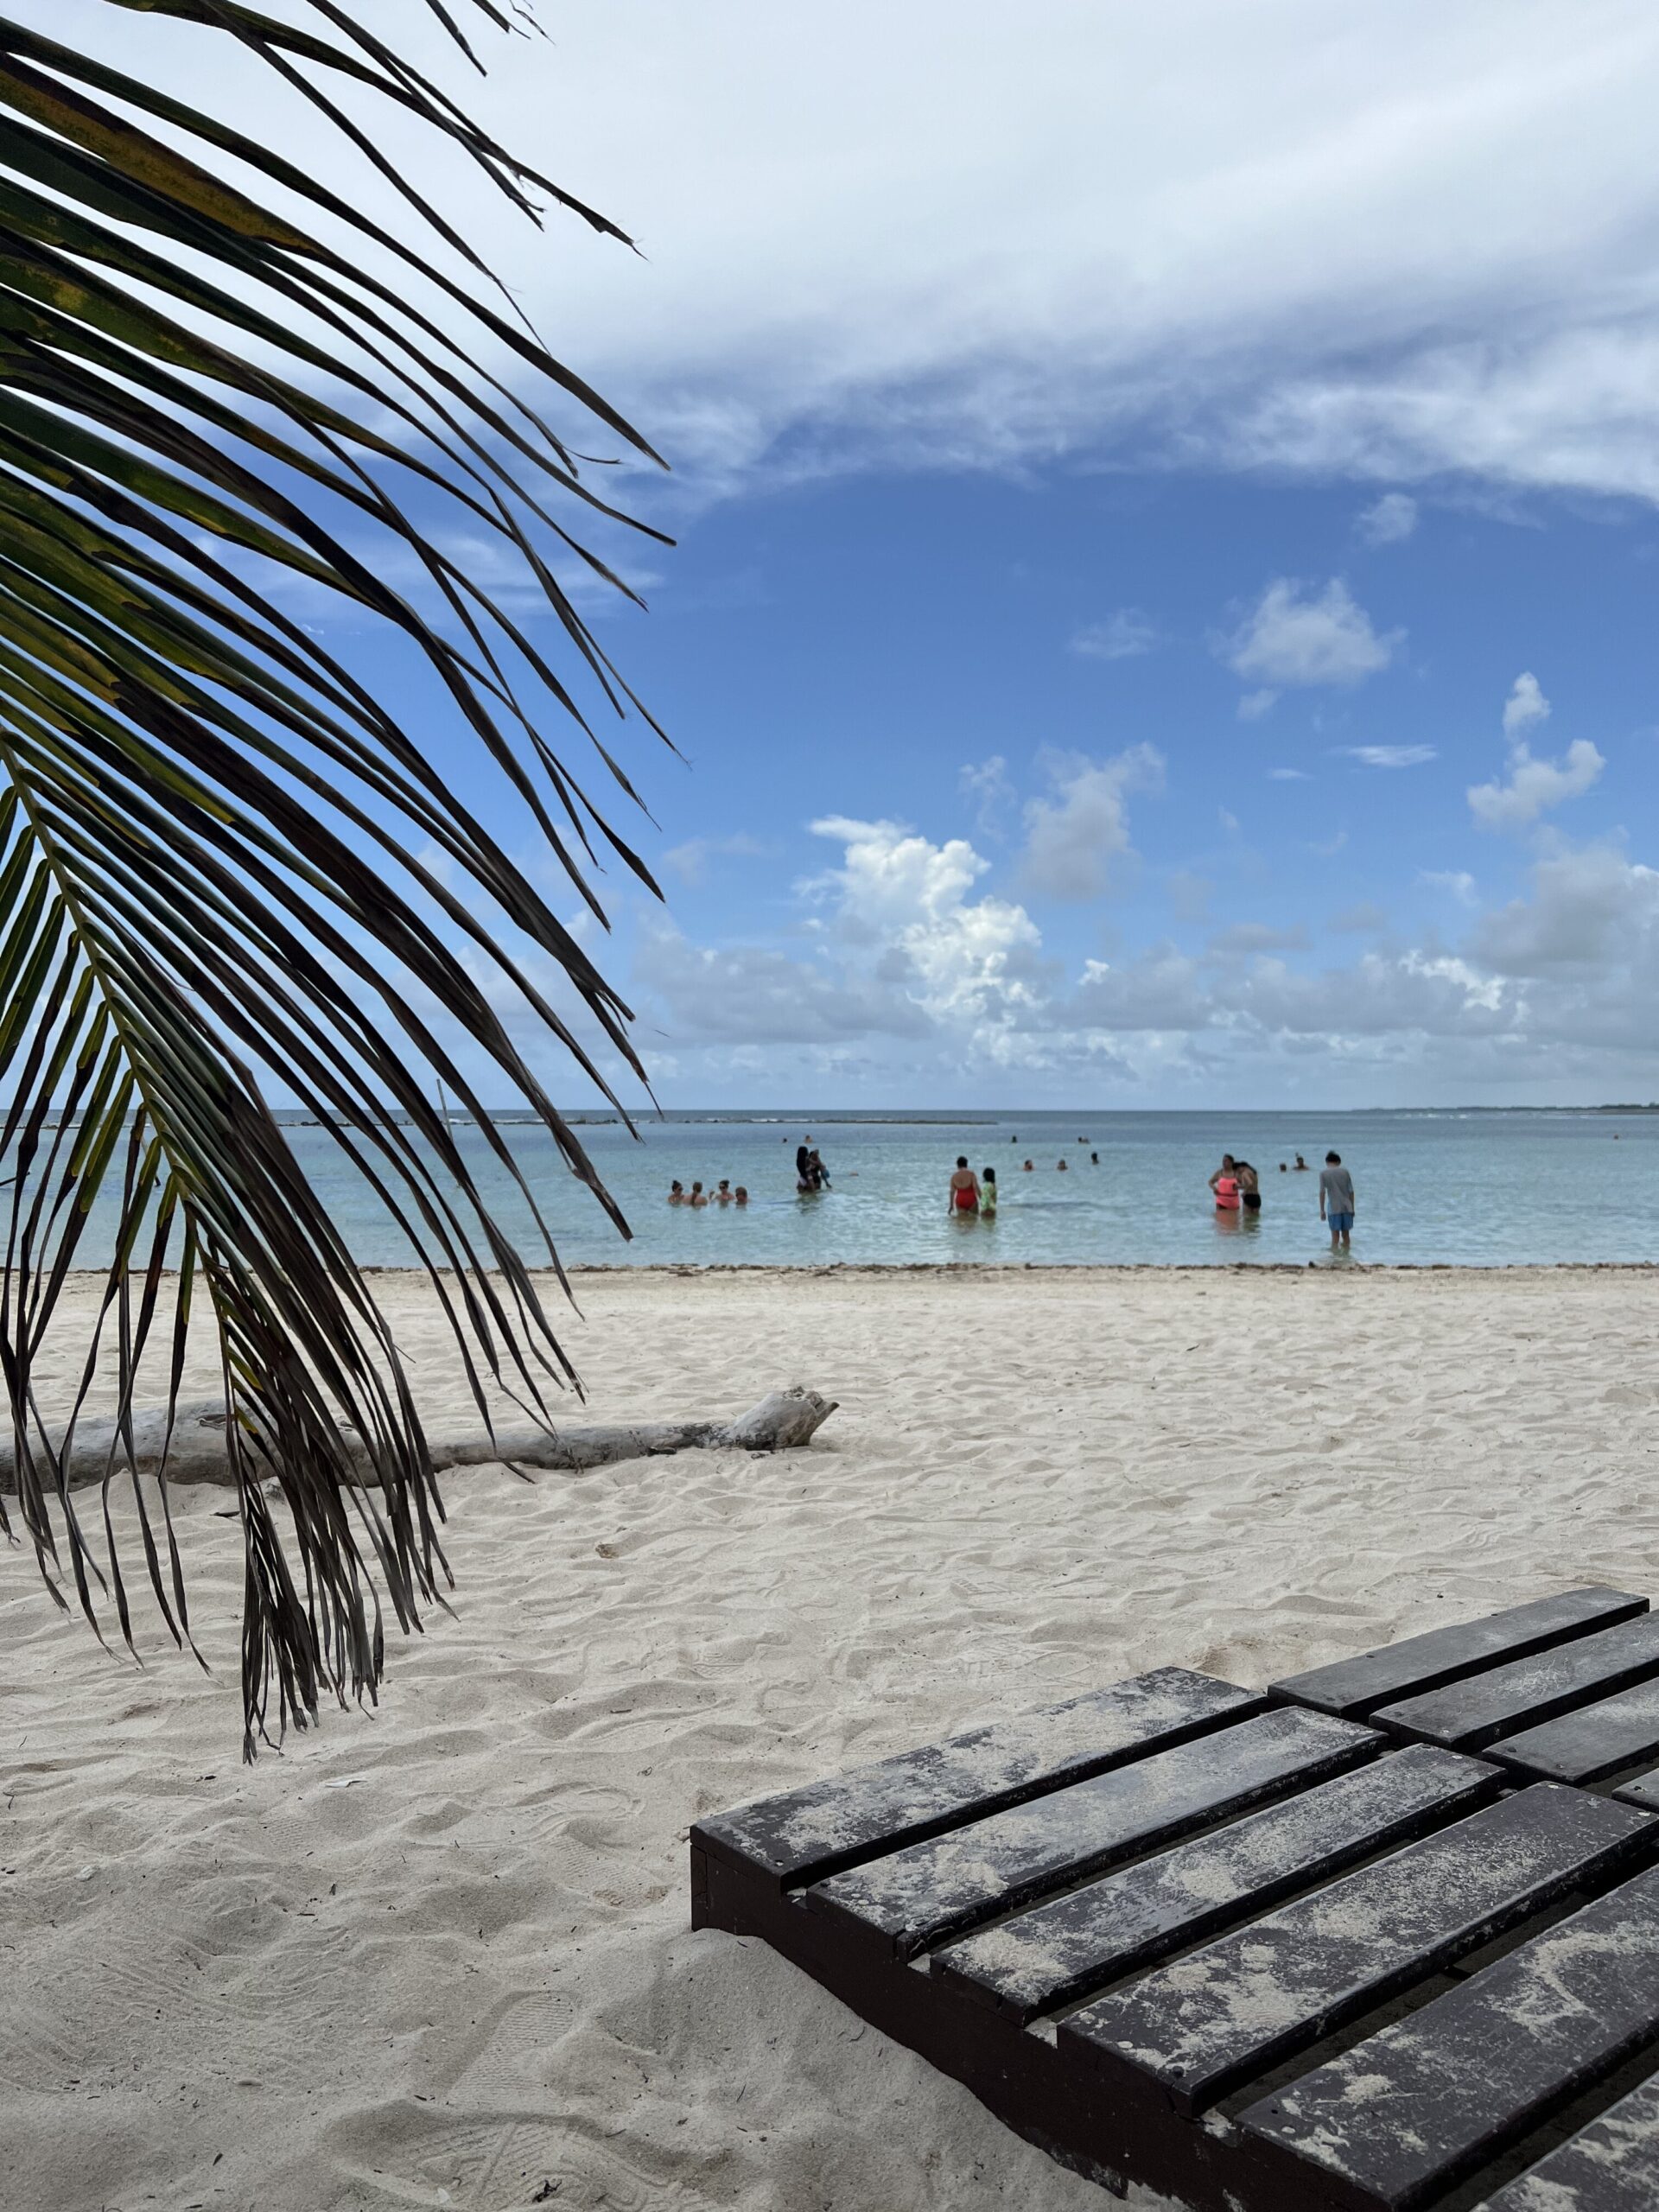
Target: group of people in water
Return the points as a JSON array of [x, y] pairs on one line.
[[1237, 1190], [810, 1173], [976, 1194], [1235, 1187], [697, 1196]]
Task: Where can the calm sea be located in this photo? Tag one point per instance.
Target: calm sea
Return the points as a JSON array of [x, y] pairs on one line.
[[1474, 1189]]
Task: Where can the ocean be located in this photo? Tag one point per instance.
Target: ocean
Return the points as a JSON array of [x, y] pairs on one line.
[[1463, 1188]]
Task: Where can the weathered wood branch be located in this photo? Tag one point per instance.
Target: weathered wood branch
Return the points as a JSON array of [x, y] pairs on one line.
[[782, 1421]]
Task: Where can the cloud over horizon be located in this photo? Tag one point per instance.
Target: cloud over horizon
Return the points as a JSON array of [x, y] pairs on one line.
[[1392, 254], [906, 949]]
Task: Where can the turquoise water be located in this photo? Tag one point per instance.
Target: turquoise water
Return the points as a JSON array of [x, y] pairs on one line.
[[1471, 1188]]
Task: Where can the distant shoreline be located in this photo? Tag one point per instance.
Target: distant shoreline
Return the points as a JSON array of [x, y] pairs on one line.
[[931, 1117]]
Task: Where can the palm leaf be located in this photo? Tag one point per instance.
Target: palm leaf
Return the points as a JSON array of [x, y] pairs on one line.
[[214, 836]]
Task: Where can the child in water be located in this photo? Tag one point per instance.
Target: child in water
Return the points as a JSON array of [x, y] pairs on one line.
[[988, 1195]]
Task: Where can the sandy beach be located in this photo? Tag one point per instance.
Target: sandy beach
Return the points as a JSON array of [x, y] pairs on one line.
[[439, 1956]]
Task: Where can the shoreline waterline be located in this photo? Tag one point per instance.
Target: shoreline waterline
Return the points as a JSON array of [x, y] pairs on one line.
[[995, 1271]]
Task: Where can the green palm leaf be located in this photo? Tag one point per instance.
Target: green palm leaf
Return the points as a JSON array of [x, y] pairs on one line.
[[221, 853]]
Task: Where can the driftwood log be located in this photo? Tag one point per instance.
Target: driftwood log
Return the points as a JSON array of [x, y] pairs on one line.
[[782, 1421]]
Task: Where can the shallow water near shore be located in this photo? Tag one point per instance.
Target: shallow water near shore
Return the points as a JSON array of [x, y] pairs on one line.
[[1450, 1188]]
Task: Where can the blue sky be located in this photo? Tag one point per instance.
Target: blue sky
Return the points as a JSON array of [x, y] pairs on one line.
[[1059, 681], [1164, 607]]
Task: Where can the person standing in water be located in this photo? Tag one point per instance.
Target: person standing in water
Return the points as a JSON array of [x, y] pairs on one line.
[[1336, 1201], [988, 1195], [965, 1187], [1250, 1185], [1225, 1185]]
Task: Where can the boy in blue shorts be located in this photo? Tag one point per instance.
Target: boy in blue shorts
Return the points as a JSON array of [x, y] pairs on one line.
[[1337, 1200]]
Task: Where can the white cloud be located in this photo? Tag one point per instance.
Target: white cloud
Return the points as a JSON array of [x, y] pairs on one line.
[[1388, 521], [1457, 881], [1525, 705], [906, 900], [1533, 786], [1562, 397], [750, 992], [1594, 913], [1123, 636], [1295, 635], [1387, 245], [1433, 994], [1288, 775], [1389, 756], [1160, 990], [910, 970], [1073, 840], [1254, 704], [987, 782]]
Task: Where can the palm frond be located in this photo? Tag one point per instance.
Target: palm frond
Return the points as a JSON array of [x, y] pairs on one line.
[[221, 853]]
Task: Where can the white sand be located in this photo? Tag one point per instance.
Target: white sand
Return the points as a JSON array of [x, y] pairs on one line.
[[440, 1955]]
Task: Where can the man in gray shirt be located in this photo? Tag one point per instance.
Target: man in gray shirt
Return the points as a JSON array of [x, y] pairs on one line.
[[1337, 1200]]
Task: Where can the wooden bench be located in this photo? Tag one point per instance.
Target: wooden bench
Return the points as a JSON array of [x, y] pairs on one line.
[[1384, 1937]]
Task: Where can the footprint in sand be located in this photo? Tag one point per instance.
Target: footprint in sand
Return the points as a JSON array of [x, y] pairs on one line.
[[406, 2154]]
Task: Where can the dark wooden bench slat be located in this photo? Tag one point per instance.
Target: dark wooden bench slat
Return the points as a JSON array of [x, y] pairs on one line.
[[1611, 2165], [1641, 1790], [1355, 1687], [910, 1898], [1590, 1742], [1045, 1957], [1405, 2114], [803, 1834], [1207, 2022], [1470, 1714]]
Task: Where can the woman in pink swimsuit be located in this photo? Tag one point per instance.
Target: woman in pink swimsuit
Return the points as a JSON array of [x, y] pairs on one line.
[[1225, 1185], [964, 1188]]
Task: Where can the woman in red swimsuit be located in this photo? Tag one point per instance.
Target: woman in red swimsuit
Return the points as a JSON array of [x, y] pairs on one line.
[[964, 1188], [1225, 1185]]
